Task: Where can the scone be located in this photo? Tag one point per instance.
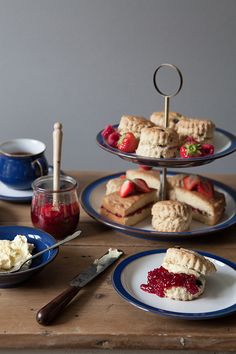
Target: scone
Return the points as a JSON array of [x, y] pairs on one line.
[[133, 124], [151, 177], [158, 142], [171, 216], [158, 118], [206, 209], [113, 185], [202, 130], [181, 275], [129, 210]]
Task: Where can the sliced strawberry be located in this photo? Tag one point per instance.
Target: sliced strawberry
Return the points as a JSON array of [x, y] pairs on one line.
[[141, 185], [127, 188], [113, 138], [127, 142], [191, 182], [206, 188], [107, 131], [145, 167], [123, 176]]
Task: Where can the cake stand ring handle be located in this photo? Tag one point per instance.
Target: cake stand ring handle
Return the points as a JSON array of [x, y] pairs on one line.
[[180, 80]]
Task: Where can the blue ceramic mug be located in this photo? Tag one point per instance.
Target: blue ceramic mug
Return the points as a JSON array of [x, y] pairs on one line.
[[21, 162]]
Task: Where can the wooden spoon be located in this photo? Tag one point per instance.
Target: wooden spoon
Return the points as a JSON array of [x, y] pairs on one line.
[[57, 143]]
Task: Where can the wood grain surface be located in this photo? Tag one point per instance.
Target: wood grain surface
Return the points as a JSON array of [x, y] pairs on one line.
[[98, 317]]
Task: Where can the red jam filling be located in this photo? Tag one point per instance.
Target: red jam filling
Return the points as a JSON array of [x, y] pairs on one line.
[[59, 221], [160, 279]]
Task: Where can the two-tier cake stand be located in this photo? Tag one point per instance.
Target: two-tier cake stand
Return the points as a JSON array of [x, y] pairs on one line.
[[224, 143]]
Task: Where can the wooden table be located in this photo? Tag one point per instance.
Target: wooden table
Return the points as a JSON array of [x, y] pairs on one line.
[[99, 318]]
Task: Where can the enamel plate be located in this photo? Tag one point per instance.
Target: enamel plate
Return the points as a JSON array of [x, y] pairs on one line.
[[18, 196], [224, 143], [91, 199], [218, 298]]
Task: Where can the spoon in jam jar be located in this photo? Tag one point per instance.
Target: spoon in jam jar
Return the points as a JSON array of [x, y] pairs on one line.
[[19, 266]]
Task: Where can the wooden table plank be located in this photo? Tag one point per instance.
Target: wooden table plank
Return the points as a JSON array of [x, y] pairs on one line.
[[99, 318]]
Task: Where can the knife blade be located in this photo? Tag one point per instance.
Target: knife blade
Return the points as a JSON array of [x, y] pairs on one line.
[[50, 311]]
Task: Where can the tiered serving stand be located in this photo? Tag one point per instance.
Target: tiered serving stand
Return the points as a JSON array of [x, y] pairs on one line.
[[224, 143]]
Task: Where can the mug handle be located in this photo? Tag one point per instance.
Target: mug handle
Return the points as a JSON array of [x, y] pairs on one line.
[[42, 166]]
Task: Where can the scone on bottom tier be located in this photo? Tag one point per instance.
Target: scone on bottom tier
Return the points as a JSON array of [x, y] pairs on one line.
[[158, 142], [171, 216], [129, 210], [151, 177], [181, 275], [208, 205], [133, 124]]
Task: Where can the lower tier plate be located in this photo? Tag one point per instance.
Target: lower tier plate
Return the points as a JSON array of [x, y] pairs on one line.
[[91, 200]]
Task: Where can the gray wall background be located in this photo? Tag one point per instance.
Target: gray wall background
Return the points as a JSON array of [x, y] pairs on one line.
[[87, 62]]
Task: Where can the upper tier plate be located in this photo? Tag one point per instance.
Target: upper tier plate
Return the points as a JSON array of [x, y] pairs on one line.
[[224, 143]]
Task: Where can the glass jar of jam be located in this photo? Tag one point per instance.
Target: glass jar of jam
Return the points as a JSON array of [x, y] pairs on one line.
[[56, 212]]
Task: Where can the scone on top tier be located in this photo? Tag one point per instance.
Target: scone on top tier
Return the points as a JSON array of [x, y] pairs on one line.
[[158, 118], [200, 129], [158, 142], [171, 216], [133, 124]]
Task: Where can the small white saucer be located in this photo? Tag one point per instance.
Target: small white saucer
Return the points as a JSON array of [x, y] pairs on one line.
[[18, 196], [15, 195]]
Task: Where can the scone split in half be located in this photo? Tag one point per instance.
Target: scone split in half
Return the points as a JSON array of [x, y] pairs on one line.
[[130, 210], [181, 275]]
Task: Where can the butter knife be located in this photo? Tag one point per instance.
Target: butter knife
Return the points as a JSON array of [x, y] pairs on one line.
[[50, 311]]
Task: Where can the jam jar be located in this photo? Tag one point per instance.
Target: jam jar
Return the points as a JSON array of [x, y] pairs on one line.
[[56, 212]]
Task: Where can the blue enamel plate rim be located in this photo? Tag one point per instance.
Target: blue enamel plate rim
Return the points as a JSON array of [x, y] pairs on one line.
[[152, 234], [172, 162], [117, 284], [15, 229]]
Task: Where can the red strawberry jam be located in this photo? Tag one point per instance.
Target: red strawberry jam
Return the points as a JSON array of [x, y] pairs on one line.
[[58, 220], [160, 279]]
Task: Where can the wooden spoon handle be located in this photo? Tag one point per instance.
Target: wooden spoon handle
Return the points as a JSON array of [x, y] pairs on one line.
[[57, 143], [50, 311]]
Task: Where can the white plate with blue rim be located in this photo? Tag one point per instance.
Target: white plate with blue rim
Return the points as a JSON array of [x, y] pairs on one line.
[[91, 200], [18, 196], [224, 143], [217, 300]]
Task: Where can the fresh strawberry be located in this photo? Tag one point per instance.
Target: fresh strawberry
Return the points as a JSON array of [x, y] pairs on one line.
[[141, 185], [127, 142], [123, 176], [189, 150], [145, 167], [107, 131], [205, 188], [207, 149], [113, 138], [127, 188], [191, 182]]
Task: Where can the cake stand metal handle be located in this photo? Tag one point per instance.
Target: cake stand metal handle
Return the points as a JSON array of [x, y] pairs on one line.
[[163, 182]]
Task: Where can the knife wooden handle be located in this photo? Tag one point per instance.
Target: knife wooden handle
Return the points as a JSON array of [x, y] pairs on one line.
[[50, 311]]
